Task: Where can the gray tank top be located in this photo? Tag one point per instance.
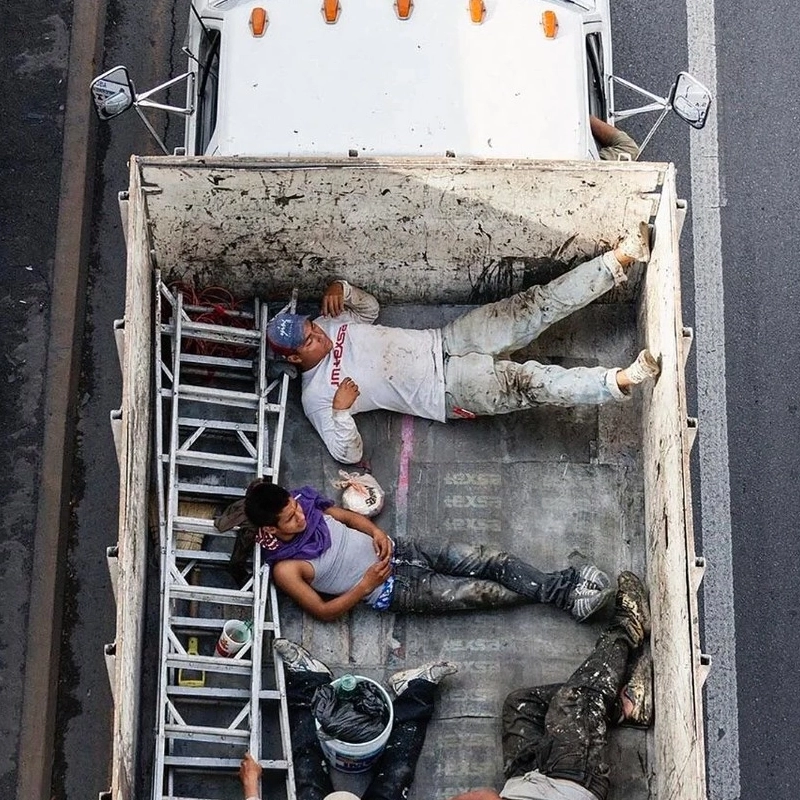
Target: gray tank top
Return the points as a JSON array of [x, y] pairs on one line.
[[344, 563]]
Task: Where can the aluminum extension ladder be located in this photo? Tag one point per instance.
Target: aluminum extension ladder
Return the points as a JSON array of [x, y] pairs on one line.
[[211, 441]]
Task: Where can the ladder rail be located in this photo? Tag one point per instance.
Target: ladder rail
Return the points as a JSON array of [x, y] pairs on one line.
[[179, 456]]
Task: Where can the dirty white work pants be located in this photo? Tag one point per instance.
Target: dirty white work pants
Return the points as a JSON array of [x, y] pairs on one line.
[[479, 382]]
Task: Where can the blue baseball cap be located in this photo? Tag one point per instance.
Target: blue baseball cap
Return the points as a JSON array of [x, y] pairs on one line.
[[286, 332]]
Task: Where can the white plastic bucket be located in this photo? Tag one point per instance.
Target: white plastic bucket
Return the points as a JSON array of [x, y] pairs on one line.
[[235, 635], [350, 757]]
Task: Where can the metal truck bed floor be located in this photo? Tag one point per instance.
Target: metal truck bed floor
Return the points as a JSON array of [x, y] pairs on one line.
[[556, 486]]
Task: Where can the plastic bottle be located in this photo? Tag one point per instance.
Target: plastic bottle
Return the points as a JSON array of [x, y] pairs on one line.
[[346, 686]]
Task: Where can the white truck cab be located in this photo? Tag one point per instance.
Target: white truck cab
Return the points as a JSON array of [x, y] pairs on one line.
[[520, 83], [473, 79]]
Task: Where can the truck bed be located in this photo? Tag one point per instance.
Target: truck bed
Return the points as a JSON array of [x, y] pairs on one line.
[[607, 485]]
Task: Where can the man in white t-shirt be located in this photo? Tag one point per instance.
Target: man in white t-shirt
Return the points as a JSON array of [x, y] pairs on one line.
[[349, 365]]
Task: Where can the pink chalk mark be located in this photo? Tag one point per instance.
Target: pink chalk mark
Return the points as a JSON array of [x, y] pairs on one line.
[[406, 451]]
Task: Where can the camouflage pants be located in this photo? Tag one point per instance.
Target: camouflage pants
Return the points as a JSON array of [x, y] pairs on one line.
[[561, 730]]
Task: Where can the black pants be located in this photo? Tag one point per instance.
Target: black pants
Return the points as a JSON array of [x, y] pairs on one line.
[[461, 577], [561, 730], [394, 772]]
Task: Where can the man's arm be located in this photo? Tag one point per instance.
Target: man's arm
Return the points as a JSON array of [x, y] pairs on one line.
[[341, 297], [250, 775], [479, 794], [338, 430], [612, 141], [294, 577], [383, 544]]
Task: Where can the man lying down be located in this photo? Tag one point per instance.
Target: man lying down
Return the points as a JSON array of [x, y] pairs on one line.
[[329, 559]]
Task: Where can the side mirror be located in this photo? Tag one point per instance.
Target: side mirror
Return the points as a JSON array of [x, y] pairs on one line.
[[113, 93], [690, 100]]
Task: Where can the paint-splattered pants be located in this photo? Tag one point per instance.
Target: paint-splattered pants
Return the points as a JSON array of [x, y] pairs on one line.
[[561, 730], [394, 772], [478, 381], [461, 577]]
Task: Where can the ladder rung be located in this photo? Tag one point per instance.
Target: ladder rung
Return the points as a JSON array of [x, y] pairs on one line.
[[210, 594], [210, 309], [225, 397], [214, 333], [198, 762], [207, 623], [194, 525], [214, 693], [212, 489], [222, 397], [200, 733], [220, 461], [206, 530], [217, 361], [217, 424], [206, 556], [230, 666]]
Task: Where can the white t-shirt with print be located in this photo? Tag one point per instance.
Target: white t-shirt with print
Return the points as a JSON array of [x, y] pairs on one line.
[[396, 369]]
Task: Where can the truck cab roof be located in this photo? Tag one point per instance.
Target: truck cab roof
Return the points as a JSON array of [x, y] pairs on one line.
[[373, 84]]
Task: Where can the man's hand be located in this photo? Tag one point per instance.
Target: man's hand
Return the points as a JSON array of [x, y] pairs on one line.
[[333, 300], [382, 544], [249, 775], [346, 395], [376, 575]]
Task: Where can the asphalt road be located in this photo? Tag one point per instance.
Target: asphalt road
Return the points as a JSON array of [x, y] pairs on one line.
[[34, 42], [759, 211], [749, 396]]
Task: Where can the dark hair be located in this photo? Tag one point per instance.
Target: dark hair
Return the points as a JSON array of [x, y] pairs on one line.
[[264, 502]]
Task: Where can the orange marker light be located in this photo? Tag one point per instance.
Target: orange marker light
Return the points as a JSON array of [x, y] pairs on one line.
[[403, 8], [477, 11], [258, 21], [331, 10], [549, 24]]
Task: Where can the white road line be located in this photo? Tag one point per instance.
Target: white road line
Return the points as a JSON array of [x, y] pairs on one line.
[[722, 728]]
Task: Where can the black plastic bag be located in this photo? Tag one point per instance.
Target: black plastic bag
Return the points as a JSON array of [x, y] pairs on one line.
[[359, 717]]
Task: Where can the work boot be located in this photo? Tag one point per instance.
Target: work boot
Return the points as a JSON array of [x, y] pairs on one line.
[[632, 610], [637, 693], [646, 366], [297, 658], [586, 603], [433, 673], [636, 246]]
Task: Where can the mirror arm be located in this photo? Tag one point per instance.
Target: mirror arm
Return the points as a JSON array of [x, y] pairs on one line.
[[632, 112], [662, 101], [656, 125], [151, 129], [160, 88], [184, 112]]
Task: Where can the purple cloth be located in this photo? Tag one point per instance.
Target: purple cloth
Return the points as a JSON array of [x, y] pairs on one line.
[[313, 541]]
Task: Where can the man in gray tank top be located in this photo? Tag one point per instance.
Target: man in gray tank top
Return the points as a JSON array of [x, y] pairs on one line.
[[328, 560]]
